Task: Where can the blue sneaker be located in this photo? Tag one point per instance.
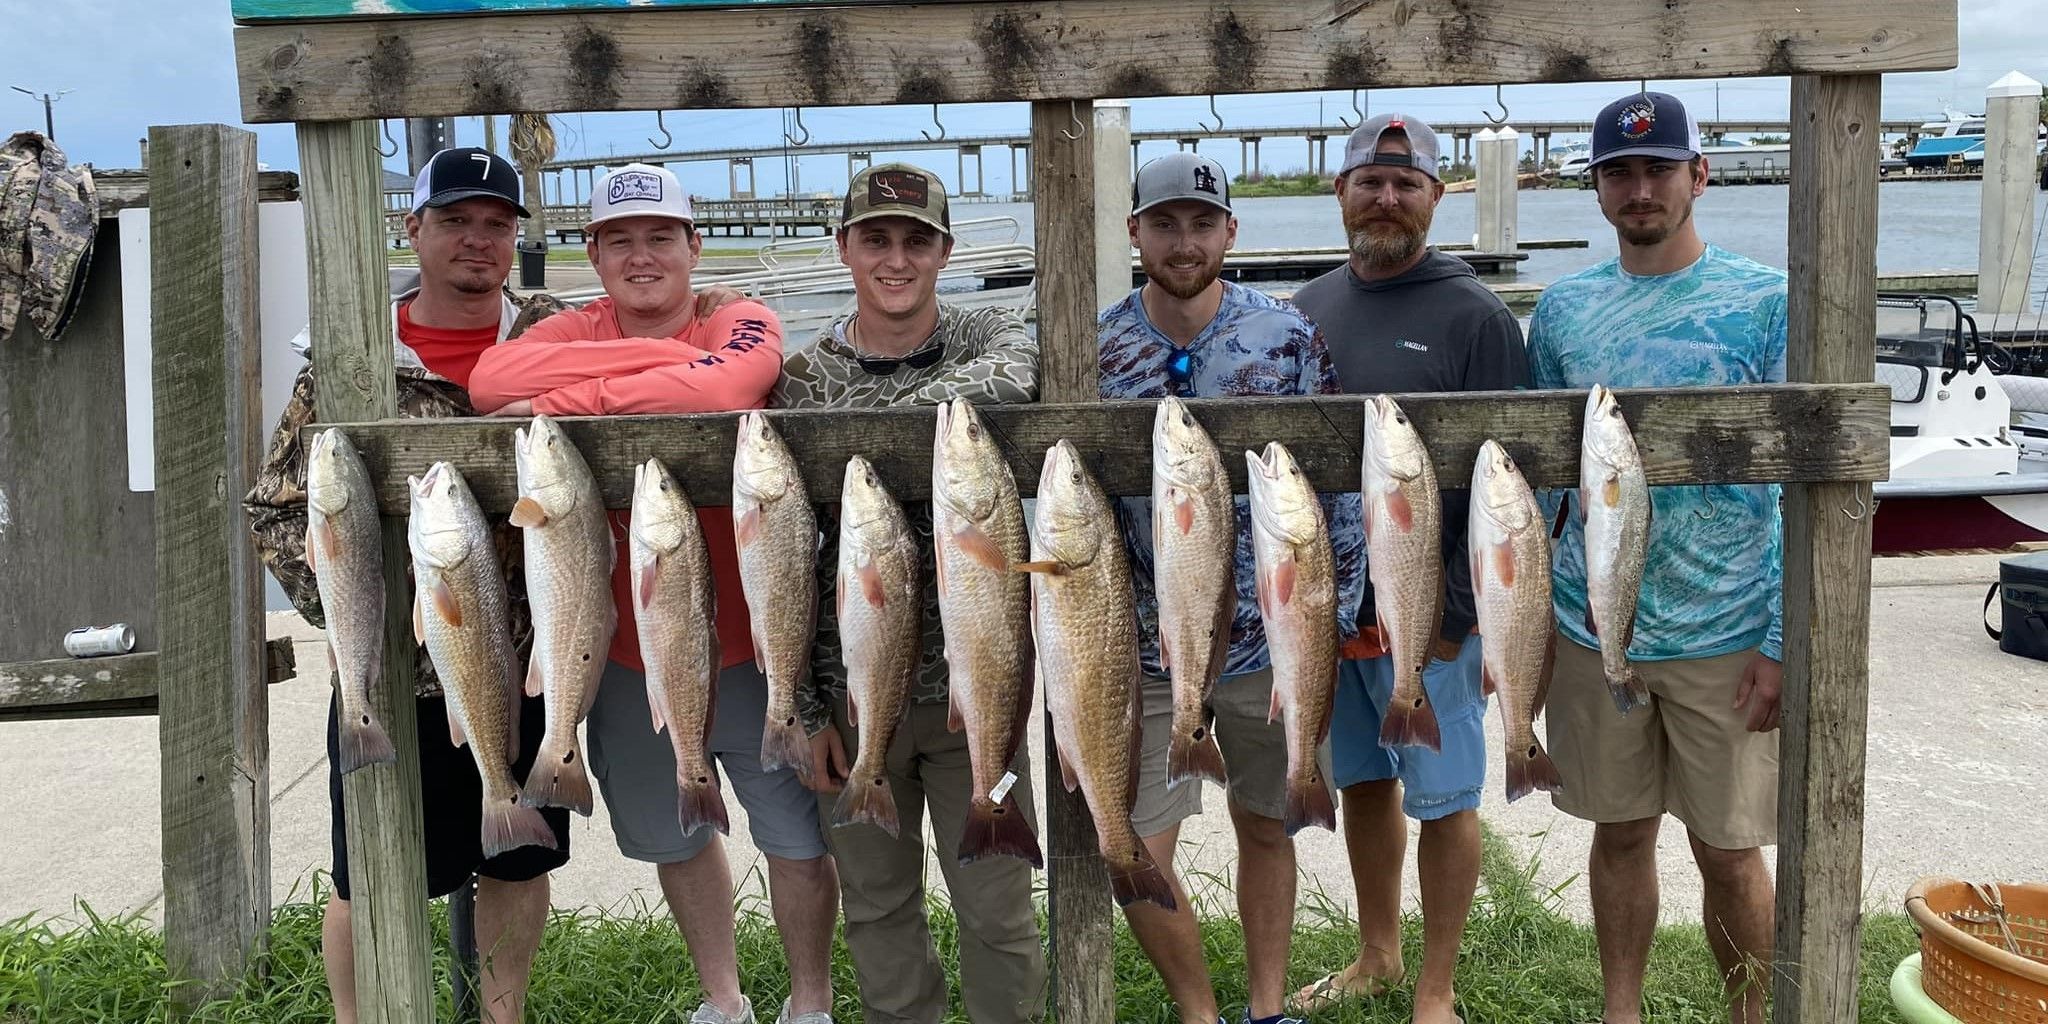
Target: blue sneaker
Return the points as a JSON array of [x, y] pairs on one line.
[[1278, 1018]]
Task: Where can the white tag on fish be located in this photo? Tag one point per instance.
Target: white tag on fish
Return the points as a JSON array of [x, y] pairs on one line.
[[996, 795]]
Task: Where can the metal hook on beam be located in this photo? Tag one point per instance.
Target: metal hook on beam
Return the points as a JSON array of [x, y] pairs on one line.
[[667, 140], [1712, 512], [941, 136], [1861, 510], [1213, 112], [1075, 133], [1502, 104], [1354, 109], [393, 151], [793, 140]]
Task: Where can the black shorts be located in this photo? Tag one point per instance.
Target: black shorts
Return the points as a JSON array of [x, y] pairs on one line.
[[452, 804]]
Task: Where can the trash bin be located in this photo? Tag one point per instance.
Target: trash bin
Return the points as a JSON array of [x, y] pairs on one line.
[[533, 264]]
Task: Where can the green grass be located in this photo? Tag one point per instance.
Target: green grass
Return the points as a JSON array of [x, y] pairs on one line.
[[1523, 962], [1296, 183]]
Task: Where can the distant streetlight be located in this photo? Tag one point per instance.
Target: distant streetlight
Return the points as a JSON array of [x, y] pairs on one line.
[[49, 121]]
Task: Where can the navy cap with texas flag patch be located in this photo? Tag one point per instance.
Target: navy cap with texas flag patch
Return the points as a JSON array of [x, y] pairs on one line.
[[1651, 124], [453, 175]]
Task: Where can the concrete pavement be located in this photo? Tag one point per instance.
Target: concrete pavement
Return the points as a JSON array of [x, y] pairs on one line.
[[1958, 746]]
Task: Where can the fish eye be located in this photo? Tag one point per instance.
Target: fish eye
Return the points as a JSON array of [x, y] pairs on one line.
[[1075, 476]]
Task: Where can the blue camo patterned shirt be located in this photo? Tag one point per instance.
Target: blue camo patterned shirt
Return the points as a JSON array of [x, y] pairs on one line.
[[1712, 585], [1256, 345]]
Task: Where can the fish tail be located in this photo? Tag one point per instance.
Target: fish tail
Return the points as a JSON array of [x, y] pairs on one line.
[[866, 801], [364, 743], [996, 829], [1629, 691], [1193, 755], [698, 801], [1141, 879], [1530, 770], [1309, 803], [558, 778], [1411, 723], [784, 744], [508, 825]]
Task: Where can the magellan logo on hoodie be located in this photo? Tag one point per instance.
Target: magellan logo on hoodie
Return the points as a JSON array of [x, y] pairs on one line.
[[1412, 346]]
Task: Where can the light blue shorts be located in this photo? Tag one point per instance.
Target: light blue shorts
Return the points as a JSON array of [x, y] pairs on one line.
[[1434, 785]]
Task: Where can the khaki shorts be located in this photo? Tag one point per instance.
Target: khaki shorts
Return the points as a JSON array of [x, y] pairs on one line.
[[1254, 752], [1688, 753]]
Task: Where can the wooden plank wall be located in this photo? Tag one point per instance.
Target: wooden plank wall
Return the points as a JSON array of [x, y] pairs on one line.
[[122, 684], [213, 713], [72, 536], [348, 307], [1048, 49], [1833, 293]]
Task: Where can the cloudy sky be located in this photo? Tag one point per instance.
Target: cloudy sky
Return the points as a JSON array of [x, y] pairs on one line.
[[133, 63]]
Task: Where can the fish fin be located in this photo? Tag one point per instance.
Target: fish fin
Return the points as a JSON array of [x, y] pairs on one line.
[[316, 533], [649, 571], [852, 711], [1402, 512], [1629, 691], [1504, 561], [1309, 803], [1273, 707], [785, 745], [1141, 880], [1284, 576], [419, 620], [747, 526], [654, 711], [1411, 724], [980, 547], [1067, 777], [867, 800], [534, 685], [1611, 493], [998, 830], [1184, 514], [839, 596], [445, 604], [512, 716], [363, 743], [1592, 627], [1049, 567], [954, 723], [1531, 771], [1543, 679], [699, 802], [1488, 686], [1165, 654], [333, 662], [456, 735], [527, 512], [1191, 757], [939, 570], [509, 826], [871, 585], [558, 778], [1564, 512]]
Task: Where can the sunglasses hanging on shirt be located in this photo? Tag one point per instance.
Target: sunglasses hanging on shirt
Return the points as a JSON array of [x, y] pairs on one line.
[[922, 359]]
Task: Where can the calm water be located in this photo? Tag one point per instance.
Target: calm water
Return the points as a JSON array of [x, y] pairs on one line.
[[1921, 226]]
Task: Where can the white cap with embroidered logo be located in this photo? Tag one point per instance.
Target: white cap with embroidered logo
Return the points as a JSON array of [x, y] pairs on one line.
[[1183, 175], [638, 190]]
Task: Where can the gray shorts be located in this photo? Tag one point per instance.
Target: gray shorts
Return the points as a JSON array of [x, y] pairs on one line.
[[1254, 753], [636, 770]]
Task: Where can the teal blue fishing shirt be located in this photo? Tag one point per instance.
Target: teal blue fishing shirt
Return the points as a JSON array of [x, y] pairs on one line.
[[1713, 584]]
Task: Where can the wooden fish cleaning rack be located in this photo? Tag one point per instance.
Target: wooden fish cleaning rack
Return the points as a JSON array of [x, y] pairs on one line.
[[316, 63]]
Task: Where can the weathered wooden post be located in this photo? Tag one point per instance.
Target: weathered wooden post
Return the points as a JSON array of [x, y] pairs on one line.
[[213, 714], [350, 312], [1063, 177], [1832, 242], [2005, 231], [1496, 195]]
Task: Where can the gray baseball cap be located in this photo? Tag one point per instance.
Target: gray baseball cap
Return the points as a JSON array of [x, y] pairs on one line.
[[1183, 175], [1364, 146]]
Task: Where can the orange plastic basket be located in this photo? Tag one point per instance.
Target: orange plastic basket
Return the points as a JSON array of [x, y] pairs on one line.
[[1968, 964]]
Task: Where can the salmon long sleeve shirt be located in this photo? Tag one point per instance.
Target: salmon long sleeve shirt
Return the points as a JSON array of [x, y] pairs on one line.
[[580, 363]]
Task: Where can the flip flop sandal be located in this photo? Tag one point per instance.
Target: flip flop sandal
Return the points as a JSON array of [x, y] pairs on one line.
[[1329, 994]]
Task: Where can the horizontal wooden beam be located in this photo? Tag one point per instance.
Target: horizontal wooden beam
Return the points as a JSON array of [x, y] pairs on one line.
[[120, 189], [814, 55], [122, 684], [1687, 435]]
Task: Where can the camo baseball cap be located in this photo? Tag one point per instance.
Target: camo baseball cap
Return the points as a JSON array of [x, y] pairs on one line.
[[897, 190]]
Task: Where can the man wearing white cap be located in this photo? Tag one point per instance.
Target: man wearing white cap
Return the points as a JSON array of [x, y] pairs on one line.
[[649, 347]]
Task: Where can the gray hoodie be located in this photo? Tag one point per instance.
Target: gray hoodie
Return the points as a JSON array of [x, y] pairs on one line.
[[1434, 328]]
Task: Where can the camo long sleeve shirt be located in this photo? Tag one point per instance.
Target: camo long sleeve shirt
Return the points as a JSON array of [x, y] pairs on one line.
[[1714, 581], [986, 357], [1256, 345]]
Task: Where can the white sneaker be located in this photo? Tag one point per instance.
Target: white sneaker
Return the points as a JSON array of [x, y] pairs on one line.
[[709, 1014], [813, 1017]]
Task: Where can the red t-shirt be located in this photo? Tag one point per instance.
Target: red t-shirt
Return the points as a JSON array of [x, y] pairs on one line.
[[450, 353]]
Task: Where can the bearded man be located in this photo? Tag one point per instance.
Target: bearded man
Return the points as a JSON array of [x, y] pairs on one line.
[[1401, 317]]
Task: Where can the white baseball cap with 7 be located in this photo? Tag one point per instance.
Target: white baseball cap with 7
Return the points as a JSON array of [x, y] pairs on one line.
[[638, 190]]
